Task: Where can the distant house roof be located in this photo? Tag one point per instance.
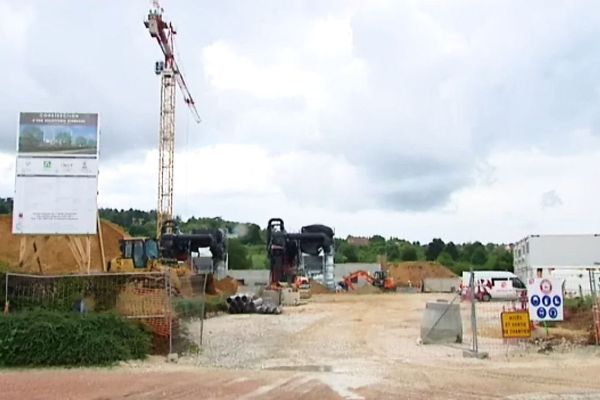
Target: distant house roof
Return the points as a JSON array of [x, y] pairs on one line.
[[358, 240]]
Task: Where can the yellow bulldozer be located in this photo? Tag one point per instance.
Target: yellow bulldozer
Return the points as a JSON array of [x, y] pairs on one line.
[[174, 252]]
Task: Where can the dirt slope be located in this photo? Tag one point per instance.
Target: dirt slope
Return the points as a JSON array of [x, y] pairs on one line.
[[55, 255], [416, 271]]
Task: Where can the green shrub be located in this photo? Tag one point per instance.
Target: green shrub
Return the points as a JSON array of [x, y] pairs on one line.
[[45, 338], [186, 308], [579, 304]]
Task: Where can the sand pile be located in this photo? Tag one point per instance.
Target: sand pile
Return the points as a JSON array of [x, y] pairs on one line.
[[317, 288], [55, 255], [227, 286], [416, 271]]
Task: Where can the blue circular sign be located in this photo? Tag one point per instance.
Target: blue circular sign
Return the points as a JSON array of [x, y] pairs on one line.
[[541, 313], [556, 300], [535, 300], [546, 301], [553, 312]]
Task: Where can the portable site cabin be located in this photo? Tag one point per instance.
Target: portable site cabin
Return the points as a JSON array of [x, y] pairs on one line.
[[570, 257]]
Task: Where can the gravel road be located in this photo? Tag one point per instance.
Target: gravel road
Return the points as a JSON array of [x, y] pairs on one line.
[[335, 347]]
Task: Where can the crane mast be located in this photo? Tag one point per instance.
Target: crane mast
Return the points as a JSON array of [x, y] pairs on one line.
[[171, 77]]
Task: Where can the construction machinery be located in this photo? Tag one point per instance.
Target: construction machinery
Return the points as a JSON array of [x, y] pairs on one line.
[[285, 252], [174, 249], [379, 279], [171, 76], [177, 252]]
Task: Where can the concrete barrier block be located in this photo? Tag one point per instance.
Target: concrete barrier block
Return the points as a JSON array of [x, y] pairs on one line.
[[270, 296], [441, 323], [289, 297]]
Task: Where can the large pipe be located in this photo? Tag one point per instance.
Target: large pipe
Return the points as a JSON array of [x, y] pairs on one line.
[[257, 302]]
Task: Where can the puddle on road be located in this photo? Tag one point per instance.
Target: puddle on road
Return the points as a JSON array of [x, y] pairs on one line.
[[302, 368]]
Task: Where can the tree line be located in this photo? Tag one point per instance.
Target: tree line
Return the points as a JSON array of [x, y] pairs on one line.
[[457, 257], [247, 243]]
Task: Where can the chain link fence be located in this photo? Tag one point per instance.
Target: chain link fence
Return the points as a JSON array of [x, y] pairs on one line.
[[172, 305], [482, 330], [594, 287], [483, 326], [190, 306], [140, 296]]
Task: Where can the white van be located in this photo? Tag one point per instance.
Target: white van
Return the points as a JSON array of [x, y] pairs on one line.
[[494, 285]]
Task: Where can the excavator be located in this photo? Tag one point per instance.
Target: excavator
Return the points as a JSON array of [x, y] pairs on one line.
[[285, 250], [175, 252], [379, 279]]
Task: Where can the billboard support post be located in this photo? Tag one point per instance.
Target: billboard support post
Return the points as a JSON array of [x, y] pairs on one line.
[[101, 244]]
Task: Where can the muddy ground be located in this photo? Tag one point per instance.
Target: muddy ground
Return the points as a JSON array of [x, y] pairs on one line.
[[335, 347]]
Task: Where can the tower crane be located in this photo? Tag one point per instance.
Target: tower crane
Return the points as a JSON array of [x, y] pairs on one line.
[[171, 75]]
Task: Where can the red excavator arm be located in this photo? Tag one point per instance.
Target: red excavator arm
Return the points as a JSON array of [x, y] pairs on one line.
[[349, 280]]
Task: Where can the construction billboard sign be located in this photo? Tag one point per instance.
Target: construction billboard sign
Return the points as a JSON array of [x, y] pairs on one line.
[[56, 182]]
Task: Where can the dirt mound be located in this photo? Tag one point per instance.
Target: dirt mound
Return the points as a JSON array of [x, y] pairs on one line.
[[55, 254], [227, 286], [415, 271], [317, 288]]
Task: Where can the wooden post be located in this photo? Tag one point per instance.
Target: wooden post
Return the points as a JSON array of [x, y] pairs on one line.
[[89, 252], [25, 253], [22, 251], [76, 250], [101, 243]]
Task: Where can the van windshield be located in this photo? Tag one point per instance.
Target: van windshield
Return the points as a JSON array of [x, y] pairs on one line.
[[517, 284]]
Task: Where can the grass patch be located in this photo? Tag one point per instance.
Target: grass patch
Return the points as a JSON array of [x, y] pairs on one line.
[[192, 308], [46, 338], [579, 304]]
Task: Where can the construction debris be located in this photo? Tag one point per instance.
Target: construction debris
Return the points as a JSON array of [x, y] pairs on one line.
[[226, 286]]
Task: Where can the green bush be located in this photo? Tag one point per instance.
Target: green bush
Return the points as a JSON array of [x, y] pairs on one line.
[[45, 338], [186, 308], [579, 304]]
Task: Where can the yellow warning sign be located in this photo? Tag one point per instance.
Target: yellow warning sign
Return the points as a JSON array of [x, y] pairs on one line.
[[515, 324]]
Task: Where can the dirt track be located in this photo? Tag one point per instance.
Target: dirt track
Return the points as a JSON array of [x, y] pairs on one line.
[[343, 346]]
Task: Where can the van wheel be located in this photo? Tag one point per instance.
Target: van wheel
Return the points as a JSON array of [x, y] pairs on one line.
[[486, 297]]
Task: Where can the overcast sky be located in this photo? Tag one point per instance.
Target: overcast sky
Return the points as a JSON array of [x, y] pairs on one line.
[[465, 120]]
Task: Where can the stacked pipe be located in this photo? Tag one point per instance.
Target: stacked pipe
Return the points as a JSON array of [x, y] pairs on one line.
[[268, 309], [246, 304]]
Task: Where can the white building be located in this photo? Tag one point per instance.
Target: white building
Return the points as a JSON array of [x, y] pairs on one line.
[[570, 257]]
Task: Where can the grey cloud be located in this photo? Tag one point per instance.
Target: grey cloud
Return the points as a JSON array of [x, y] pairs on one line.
[[551, 199], [445, 85]]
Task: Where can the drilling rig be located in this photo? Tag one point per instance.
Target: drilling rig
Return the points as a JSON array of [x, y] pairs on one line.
[[171, 76], [287, 253]]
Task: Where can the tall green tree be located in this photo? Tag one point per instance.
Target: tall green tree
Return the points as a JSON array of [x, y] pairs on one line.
[[6, 205], [392, 252], [479, 256], [452, 251], [377, 239], [238, 255], [408, 252], [434, 248], [445, 259], [252, 235], [350, 253]]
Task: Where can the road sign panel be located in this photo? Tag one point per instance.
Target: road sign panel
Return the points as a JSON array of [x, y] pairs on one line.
[[545, 299], [515, 324]]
